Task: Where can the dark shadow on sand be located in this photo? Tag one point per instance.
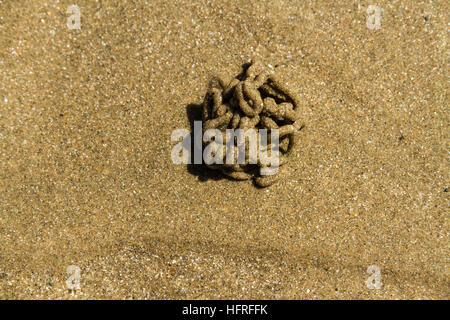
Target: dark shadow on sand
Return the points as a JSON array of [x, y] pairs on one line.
[[194, 113]]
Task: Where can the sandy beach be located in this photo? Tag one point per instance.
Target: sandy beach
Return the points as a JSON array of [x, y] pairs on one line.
[[86, 177]]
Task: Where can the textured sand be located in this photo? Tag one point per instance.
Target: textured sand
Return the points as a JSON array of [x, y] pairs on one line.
[[86, 177]]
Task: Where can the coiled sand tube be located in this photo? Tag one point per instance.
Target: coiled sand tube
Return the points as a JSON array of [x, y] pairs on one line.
[[257, 99]]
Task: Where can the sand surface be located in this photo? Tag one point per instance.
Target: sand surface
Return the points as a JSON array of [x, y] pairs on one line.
[[86, 176]]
